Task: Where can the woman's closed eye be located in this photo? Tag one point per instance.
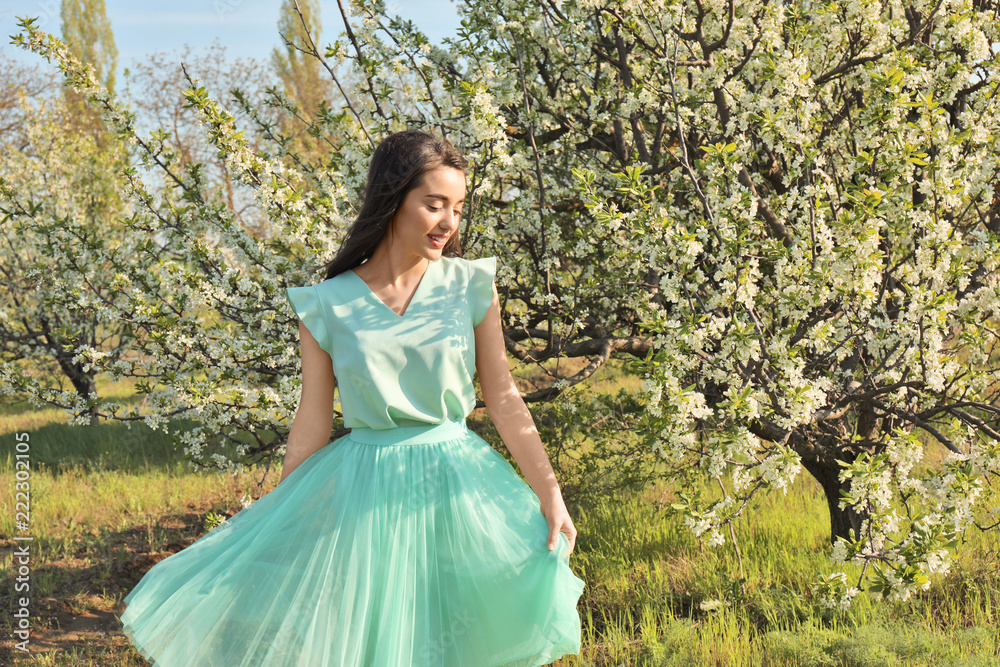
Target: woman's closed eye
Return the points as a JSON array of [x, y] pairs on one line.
[[438, 208]]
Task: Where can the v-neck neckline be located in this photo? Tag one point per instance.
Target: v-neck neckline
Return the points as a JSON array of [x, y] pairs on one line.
[[413, 297]]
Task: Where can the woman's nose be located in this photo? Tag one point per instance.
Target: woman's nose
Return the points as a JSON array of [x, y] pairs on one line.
[[450, 221]]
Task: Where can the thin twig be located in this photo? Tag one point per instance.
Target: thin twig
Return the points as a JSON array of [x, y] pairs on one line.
[[541, 187], [357, 49], [685, 160], [315, 52], [732, 532]]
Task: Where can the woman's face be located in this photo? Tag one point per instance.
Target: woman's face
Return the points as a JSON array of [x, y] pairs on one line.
[[430, 213]]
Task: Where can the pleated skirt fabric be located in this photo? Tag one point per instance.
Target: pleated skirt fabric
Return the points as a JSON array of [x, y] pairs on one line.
[[417, 546]]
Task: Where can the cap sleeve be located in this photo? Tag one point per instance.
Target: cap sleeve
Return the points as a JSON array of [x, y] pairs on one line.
[[306, 303], [481, 286]]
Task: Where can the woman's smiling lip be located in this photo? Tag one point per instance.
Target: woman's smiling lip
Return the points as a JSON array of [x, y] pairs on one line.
[[438, 240]]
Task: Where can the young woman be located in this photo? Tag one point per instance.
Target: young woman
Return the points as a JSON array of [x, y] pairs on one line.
[[409, 541]]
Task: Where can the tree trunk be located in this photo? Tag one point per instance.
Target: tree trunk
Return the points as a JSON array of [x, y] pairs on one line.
[[83, 383], [85, 386], [826, 471]]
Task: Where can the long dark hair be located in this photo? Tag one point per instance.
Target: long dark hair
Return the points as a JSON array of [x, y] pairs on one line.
[[398, 165]]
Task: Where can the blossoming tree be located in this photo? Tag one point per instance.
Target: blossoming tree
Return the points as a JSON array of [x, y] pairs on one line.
[[823, 219], [58, 203]]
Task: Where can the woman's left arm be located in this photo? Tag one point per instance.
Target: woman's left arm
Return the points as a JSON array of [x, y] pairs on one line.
[[515, 425]]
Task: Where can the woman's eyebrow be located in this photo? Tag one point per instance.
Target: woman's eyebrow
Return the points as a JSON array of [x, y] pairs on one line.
[[444, 198]]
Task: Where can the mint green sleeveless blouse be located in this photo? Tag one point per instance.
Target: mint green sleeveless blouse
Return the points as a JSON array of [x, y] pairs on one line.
[[401, 370]]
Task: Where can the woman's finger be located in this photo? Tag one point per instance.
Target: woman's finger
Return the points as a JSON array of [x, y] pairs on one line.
[[553, 537]]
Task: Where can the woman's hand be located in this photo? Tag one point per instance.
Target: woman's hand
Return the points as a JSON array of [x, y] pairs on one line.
[[559, 520]]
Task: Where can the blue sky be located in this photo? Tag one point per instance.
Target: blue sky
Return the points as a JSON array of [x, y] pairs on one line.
[[247, 28]]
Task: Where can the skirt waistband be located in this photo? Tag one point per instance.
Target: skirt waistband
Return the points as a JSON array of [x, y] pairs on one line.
[[409, 435]]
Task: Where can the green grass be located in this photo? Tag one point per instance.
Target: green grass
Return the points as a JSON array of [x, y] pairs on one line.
[[108, 501], [655, 597]]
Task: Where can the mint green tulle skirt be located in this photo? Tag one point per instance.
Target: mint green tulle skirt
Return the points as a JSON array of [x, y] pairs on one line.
[[417, 546]]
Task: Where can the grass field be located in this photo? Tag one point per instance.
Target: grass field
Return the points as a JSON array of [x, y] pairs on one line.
[[109, 502]]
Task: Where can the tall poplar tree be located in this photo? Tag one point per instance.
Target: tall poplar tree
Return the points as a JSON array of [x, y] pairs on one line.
[[86, 29], [299, 26], [298, 71]]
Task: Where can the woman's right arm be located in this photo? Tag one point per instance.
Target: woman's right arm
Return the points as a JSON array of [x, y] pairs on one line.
[[314, 419]]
